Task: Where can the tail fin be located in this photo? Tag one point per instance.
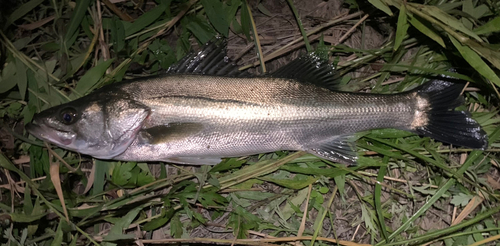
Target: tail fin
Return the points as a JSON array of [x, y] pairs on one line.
[[437, 118]]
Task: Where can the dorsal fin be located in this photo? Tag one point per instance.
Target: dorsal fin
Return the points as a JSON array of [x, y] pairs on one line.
[[211, 60], [310, 69]]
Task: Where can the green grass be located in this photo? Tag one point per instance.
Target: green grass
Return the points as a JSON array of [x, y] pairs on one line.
[[406, 189]]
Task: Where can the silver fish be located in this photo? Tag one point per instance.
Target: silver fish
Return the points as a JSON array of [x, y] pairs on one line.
[[204, 109]]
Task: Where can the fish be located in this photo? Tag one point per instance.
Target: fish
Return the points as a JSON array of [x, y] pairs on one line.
[[204, 109]]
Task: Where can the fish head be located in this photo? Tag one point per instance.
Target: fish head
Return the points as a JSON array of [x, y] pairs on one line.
[[102, 127]]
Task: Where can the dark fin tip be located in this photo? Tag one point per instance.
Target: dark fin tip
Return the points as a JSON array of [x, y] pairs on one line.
[[211, 60], [443, 122], [310, 69]]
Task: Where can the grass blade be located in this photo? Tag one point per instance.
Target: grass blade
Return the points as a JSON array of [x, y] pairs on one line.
[[476, 62], [415, 22], [491, 26], [217, 15], [377, 195], [258, 169], [22, 11], [54, 177], [21, 78], [402, 27], [434, 234], [301, 27], [90, 79], [146, 19], [255, 35], [439, 193], [318, 228], [446, 19], [382, 6], [76, 20]]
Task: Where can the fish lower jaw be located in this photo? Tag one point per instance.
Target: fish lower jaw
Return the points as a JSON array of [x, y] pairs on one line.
[[57, 137]]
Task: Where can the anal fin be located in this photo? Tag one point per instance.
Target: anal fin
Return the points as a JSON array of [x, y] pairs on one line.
[[341, 149]]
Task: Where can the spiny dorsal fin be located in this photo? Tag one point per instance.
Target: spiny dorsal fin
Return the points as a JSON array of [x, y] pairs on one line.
[[211, 60], [310, 69]]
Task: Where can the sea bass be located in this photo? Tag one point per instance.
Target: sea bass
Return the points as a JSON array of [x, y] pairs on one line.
[[204, 109]]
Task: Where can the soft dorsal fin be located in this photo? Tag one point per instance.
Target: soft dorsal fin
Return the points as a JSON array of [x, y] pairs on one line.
[[211, 60], [310, 69]]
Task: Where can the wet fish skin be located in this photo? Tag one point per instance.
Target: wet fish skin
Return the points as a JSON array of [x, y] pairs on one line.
[[203, 118], [192, 118], [260, 115]]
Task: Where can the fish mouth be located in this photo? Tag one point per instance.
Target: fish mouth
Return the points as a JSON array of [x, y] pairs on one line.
[[58, 137]]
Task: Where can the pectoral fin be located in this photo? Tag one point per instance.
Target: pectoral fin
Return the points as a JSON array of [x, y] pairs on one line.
[[340, 150], [171, 132]]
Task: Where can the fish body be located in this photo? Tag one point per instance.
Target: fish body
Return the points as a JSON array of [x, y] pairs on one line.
[[199, 118], [224, 117]]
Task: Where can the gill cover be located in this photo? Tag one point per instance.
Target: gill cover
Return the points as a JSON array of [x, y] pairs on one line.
[[101, 125], [123, 119]]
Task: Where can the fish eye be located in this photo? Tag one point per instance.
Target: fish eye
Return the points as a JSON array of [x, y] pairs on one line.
[[68, 116]]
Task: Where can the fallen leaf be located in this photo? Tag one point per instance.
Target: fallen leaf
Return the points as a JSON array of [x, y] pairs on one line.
[[493, 182], [36, 24]]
